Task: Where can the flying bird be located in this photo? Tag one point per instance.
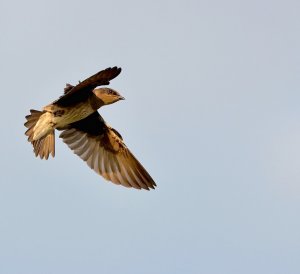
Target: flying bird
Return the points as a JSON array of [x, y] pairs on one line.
[[85, 132]]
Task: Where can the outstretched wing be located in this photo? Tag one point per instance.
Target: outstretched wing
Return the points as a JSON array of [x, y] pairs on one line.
[[104, 151], [82, 91]]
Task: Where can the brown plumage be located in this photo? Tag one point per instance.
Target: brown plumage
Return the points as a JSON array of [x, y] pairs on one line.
[[44, 146], [86, 133]]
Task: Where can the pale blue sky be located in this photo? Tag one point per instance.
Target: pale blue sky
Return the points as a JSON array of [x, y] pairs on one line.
[[212, 111]]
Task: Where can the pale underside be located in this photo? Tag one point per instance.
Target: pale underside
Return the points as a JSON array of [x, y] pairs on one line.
[[56, 117]]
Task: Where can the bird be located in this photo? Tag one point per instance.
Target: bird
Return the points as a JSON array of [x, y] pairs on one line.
[[86, 133]]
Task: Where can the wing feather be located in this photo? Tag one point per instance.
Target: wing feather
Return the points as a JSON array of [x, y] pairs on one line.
[[105, 152], [80, 92]]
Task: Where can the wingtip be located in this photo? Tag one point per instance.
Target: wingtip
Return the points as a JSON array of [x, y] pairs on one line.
[[117, 69]]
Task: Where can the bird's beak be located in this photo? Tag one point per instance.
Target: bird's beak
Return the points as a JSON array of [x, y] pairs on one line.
[[121, 98]]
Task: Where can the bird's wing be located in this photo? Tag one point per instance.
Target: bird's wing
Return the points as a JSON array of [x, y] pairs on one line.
[[82, 91], [104, 151]]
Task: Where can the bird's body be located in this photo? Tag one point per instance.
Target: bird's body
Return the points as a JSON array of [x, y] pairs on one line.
[[57, 117], [86, 133]]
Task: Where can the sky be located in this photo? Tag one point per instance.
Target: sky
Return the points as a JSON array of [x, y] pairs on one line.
[[211, 110]]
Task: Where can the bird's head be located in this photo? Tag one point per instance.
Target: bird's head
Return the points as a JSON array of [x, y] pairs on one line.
[[107, 95]]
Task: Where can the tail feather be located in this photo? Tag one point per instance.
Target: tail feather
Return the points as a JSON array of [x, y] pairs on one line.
[[44, 146]]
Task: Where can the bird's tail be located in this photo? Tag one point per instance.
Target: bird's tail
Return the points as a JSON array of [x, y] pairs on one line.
[[45, 145]]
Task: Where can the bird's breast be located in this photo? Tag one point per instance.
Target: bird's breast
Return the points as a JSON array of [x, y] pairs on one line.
[[63, 116]]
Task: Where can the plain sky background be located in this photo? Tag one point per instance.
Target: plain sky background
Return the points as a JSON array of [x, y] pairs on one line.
[[211, 110]]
